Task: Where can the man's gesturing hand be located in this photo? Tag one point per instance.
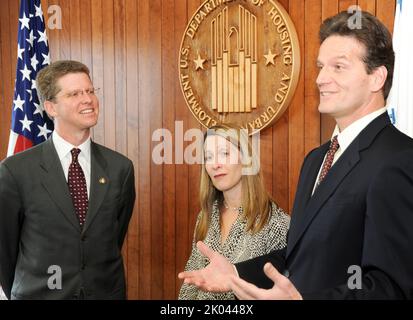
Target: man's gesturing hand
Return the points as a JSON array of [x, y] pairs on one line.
[[215, 277]]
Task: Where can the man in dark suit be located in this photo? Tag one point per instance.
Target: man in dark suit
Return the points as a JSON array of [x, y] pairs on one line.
[[65, 204], [351, 229]]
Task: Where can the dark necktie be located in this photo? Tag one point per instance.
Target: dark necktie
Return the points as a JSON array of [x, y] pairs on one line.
[[77, 187], [329, 159]]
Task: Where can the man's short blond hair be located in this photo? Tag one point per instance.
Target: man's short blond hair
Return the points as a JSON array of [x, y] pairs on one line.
[[46, 80]]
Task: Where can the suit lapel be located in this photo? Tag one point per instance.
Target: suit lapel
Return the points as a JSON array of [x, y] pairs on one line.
[[335, 176], [99, 184], [303, 196], [310, 175], [54, 181], [305, 211]]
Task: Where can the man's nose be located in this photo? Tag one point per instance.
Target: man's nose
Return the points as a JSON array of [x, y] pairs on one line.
[[86, 97], [323, 77]]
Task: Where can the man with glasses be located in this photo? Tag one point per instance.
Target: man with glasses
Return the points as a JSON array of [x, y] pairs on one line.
[[66, 203]]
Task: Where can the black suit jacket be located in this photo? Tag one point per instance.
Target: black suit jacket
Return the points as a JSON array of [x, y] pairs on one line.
[[360, 215], [39, 228]]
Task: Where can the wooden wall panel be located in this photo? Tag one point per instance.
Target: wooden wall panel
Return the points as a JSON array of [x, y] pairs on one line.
[[132, 96], [385, 11], [193, 170], [145, 60], [329, 8], [312, 117], [367, 5], [169, 72], [75, 31], [181, 170], [6, 68], [97, 65], [154, 106], [296, 109], [65, 41], [86, 33], [346, 4], [280, 154], [132, 47]]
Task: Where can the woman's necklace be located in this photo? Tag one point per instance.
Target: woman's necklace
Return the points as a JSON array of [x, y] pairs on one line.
[[237, 209]]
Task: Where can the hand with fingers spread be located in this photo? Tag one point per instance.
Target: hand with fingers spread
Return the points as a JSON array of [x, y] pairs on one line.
[[215, 277], [283, 289]]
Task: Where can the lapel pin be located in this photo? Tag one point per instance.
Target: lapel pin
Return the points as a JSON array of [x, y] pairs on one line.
[[102, 180]]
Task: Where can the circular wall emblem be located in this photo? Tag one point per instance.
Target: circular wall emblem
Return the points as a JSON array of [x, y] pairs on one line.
[[239, 62]]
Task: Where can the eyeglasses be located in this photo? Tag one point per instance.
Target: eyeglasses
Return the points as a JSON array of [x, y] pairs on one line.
[[79, 93]]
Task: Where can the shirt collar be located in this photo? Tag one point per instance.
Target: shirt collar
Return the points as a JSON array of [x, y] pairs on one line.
[[346, 137], [63, 147]]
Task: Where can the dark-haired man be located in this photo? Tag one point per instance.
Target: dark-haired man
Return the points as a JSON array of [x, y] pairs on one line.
[[350, 235], [65, 204]]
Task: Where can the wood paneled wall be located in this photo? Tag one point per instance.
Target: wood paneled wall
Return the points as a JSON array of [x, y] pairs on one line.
[[132, 46]]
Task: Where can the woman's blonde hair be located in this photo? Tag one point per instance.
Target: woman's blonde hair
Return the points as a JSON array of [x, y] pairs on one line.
[[255, 200]]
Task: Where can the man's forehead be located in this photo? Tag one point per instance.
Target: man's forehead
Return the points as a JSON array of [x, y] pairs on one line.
[[340, 47], [78, 79]]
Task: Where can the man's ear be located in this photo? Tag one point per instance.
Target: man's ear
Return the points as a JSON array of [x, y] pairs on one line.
[[50, 109], [379, 76]]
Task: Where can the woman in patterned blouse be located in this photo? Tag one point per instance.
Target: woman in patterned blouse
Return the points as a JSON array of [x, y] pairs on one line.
[[238, 218]]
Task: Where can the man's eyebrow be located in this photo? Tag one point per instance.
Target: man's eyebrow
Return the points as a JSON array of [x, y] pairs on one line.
[[345, 57], [341, 57]]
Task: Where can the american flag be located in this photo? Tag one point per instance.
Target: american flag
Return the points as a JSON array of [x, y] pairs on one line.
[[400, 100], [30, 124]]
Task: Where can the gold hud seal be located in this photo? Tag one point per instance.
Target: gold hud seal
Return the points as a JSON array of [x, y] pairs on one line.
[[239, 62]]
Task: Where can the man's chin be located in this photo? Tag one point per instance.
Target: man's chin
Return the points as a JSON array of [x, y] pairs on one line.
[[323, 109], [89, 124]]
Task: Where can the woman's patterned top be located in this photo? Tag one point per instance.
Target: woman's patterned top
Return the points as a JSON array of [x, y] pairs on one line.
[[239, 246]]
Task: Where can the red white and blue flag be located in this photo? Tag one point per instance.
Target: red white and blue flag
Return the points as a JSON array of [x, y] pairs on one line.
[[30, 124], [400, 100]]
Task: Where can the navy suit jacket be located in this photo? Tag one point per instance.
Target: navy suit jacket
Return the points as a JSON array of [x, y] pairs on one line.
[[361, 215]]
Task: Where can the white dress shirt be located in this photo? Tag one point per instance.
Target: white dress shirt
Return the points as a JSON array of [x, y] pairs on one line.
[[63, 149], [346, 137]]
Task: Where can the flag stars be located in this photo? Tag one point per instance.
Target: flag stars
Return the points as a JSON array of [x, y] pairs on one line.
[[34, 62], [43, 37], [46, 58], [39, 12], [20, 52], [31, 38], [24, 22], [26, 124], [26, 73], [31, 120], [39, 109], [29, 92], [43, 131], [18, 103]]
